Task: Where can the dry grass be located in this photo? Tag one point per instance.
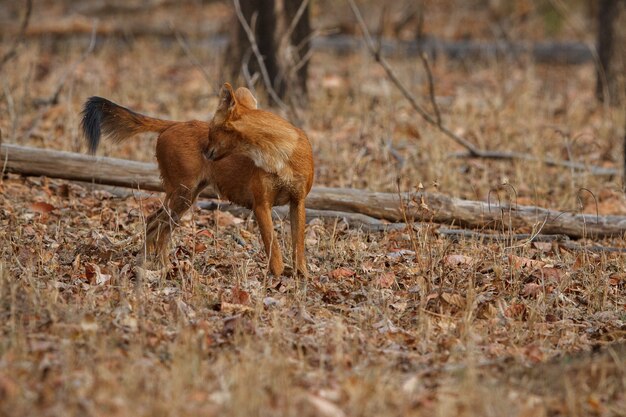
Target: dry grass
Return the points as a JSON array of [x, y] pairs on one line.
[[389, 324]]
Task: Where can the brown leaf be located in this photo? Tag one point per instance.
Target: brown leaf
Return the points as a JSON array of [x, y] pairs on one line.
[[515, 311], [341, 272], [94, 276], [231, 308], [240, 296], [584, 259], [204, 232], [616, 278], [41, 207], [199, 247], [549, 274], [454, 299], [518, 262], [532, 290], [534, 353], [458, 260], [386, 279], [543, 246], [224, 219]]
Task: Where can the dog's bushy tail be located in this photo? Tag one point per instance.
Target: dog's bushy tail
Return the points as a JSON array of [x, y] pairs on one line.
[[101, 116]]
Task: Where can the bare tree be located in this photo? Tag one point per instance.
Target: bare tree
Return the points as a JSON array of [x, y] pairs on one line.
[[280, 30]]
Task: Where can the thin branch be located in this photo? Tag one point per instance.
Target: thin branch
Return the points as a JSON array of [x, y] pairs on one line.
[[431, 87], [473, 150], [294, 22], [20, 37], [259, 57], [245, 70], [405, 92], [296, 67]]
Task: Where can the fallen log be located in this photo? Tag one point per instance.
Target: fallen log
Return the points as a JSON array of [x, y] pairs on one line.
[[421, 206]]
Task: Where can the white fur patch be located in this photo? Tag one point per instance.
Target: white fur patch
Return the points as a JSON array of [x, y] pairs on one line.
[[276, 163]]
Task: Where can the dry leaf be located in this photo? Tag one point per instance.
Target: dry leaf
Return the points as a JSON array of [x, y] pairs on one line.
[[386, 279], [549, 274], [204, 232], [41, 207], [341, 272], [515, 311], [454, 299], [518, 262], [199, 247], [94, 276], [543, 246], [458, 260], [231, 308], [532, 290], [240, 296], [399, 306], [617, 279], [225, 219]]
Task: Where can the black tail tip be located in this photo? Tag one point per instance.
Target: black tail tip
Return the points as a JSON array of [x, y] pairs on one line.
[[91, 122]]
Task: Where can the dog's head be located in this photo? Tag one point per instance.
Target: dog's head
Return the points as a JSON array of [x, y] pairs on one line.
[[223, 140]]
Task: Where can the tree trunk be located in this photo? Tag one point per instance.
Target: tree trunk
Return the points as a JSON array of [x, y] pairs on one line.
[[284, 62], [610, 47], [261, 16], [429, 207]]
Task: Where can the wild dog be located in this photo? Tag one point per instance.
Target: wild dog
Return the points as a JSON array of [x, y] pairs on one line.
[[184, 169], [283, 157]]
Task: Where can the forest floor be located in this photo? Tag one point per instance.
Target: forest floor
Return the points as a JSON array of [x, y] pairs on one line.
[[390, 323]]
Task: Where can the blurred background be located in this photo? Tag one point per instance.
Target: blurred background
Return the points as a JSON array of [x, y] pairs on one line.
[[543, 78]]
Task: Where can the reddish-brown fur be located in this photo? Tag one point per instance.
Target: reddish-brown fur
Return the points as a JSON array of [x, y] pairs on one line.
[[283, 161], [181, 151]]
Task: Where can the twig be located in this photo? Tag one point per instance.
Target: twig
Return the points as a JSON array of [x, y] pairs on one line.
[[245, 70], [394, 78], [431, 87], [296, 67], [20, 37], [259, 57], [473, 150], [294, 22]]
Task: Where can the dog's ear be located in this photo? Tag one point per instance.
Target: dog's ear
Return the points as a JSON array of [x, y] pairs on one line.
[[227, 103], [227, 97], [245, 98]]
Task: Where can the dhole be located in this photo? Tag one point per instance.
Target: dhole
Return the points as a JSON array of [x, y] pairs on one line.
[[182, 153], [283, 162]]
